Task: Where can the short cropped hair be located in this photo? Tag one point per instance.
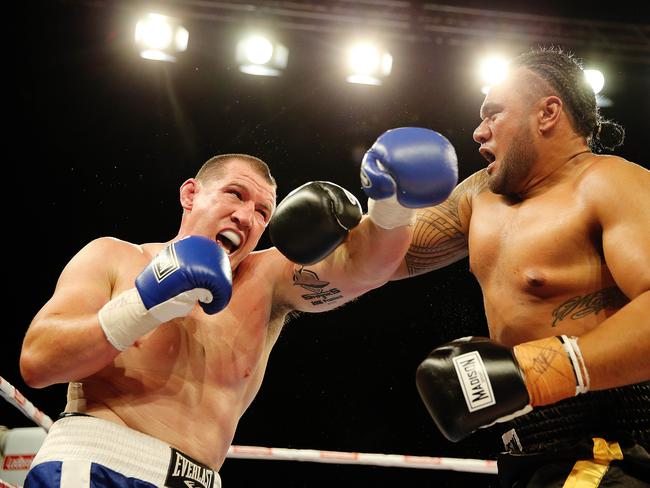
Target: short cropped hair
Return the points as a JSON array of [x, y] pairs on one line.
[[214, 168]]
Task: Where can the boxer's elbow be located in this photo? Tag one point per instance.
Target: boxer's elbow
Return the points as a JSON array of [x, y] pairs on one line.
[[34, 366], [31, 372]]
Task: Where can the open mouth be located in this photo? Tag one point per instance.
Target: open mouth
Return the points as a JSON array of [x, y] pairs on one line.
[[487, 154], [229, 240]]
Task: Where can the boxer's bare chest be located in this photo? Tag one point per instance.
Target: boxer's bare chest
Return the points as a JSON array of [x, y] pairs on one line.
[[224, 350], [209, 365], [539, 263]]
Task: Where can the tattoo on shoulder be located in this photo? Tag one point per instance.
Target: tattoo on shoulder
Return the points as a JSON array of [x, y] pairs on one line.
[[478, 181], [578, 307], [436, 242], [319, 291], [438, 237]]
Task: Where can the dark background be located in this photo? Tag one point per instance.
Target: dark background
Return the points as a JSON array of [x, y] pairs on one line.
[[98, 140]]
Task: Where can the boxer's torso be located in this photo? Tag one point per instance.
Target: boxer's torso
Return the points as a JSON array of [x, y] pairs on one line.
[[540, 263], [189, 381]]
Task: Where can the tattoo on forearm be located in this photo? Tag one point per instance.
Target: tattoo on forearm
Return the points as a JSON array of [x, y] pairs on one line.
[[578, 307], [309, 280]]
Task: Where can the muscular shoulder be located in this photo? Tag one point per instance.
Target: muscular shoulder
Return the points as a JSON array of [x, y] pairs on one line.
[[271, 270], [107, 255], [611, 171], [609, 180], [111, 249], [466, 195], [114, 244]]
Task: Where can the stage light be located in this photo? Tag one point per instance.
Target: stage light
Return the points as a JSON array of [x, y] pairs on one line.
[[368, 64], [258, 55], [596, 79], [160, 38], [492, 71]]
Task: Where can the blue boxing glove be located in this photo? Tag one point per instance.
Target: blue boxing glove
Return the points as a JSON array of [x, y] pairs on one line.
[[407, 168], [189, 270]]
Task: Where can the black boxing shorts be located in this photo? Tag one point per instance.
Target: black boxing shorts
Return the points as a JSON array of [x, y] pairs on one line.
[[599, 439]]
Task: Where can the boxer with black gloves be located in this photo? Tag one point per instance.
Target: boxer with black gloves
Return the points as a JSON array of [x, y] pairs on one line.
[[474, 382], [557, 238], [165, 344], [313, 220], [405, 169]]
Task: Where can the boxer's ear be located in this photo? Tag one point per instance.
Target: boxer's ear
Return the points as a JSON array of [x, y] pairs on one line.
[[549, 111], [187, 192]]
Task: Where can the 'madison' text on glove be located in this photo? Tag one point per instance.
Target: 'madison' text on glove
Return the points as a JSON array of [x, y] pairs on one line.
[[475, 382]]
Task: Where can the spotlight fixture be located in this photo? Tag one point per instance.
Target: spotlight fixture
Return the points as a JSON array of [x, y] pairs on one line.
[[368, 64], [260, 56], [160, 38]]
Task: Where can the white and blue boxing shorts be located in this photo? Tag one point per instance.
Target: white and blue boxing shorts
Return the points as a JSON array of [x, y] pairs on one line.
[[88, 452]]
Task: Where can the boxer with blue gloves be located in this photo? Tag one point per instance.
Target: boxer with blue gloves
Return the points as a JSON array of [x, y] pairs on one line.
[[157, 384], [191, 269], [405, 169]]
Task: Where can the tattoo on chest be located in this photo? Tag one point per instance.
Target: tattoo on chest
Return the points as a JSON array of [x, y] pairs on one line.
[[319, 295], [578, 307]]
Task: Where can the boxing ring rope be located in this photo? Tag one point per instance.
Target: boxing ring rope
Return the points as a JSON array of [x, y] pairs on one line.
[[386, 460], [13, 396]]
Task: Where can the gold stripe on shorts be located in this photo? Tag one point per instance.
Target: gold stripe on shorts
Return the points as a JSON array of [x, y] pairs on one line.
[[589, 473]]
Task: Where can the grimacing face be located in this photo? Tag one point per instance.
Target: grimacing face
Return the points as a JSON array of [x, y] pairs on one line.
[[519, 156], [234, 210], [506, 136]]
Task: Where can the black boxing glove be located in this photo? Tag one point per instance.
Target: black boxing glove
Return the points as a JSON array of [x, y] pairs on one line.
[[470, 383], [475, 382], [313, 220]]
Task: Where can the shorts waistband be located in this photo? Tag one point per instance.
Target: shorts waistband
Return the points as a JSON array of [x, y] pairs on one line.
[[618, 413], [119, 448]]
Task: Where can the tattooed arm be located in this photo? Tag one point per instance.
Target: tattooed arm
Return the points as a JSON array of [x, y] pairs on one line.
[[366, 260], [440, 234]]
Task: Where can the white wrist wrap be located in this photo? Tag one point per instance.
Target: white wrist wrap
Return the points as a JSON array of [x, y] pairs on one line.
[[575, 356], [389, 213], [125, 318]]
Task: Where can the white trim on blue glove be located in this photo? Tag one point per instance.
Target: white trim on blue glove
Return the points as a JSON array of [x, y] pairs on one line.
[[388, 213]]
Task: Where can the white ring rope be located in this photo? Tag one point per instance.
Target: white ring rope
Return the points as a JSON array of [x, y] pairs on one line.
[[389, 460], [13, 396]]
